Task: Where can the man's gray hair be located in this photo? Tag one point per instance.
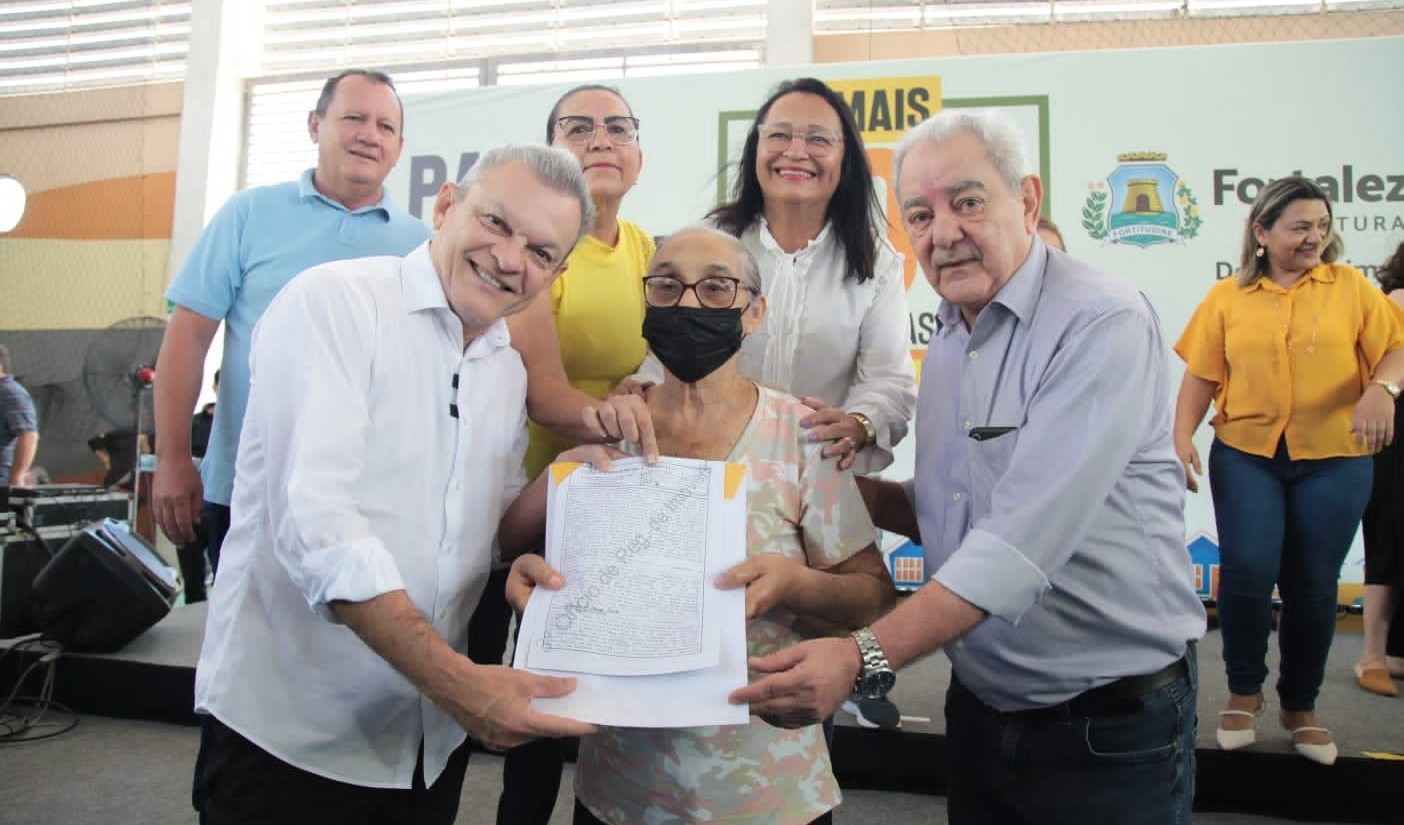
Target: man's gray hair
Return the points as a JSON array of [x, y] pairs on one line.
[[1003, 141], [558, 169], [750, 271]]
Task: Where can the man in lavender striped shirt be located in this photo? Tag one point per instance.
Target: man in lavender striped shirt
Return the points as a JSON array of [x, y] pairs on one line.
[[1049, 501]]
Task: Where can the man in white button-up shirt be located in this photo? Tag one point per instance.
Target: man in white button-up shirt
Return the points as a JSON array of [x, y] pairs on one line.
[[383, 439]]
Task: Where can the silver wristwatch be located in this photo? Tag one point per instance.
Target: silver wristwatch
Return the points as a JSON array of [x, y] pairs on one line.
[[1390, 387], [877, 677]]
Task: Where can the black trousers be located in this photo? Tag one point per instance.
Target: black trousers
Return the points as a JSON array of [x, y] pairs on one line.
[[531, 773], [191, 558], [215, 519], [239, 783]]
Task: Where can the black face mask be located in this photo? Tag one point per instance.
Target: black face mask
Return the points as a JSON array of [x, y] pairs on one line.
[[692, 342]]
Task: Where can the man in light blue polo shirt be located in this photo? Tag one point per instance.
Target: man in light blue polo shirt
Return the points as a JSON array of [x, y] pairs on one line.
[[260, 239]]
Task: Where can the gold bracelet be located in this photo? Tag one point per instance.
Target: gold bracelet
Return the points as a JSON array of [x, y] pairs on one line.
[[869, 431]]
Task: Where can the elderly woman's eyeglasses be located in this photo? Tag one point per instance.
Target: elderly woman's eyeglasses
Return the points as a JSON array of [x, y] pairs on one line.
[[818, 141], [715, 292], [579, 129]]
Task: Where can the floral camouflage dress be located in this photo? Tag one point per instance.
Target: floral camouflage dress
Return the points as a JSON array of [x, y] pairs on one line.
[[800, 506]]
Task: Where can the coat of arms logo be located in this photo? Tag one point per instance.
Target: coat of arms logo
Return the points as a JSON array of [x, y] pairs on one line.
[[1142, 202]]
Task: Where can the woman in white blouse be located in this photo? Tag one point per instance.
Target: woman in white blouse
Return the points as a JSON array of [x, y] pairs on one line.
[[836, 332]]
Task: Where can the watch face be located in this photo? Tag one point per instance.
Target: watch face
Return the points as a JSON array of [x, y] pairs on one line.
[[877, 683]]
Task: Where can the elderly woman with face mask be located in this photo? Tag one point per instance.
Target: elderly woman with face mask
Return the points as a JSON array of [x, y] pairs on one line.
[[810, 553]]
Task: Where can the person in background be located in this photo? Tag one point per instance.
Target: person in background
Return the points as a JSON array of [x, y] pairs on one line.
[[809, 550], [1302, 359], [587, 330], [257, 242], [194, 567], [1048, 231], [19, 428], [333, 678], [835, 331], [1050, 505], [202, 423], [1383, 525], [117, 452]]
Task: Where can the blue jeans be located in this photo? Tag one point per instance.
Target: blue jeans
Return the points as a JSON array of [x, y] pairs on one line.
[[1053, 767], [1288, 523]]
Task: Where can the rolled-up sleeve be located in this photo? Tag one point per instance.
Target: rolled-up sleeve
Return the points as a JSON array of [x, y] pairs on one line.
[[1085, 422], [311, 365]]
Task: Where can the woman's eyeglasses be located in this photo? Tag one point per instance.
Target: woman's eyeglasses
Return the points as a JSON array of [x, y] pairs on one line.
[[579, 129], [715, 292], [818, 141]]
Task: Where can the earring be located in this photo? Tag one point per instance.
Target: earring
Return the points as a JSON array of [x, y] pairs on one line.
[[1260, 251]]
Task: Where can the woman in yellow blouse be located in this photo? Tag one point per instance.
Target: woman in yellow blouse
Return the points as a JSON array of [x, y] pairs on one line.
[[1302, 358], [595, 317]]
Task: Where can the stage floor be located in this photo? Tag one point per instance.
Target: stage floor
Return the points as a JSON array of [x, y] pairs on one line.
[[1363, 723], [153, 678]]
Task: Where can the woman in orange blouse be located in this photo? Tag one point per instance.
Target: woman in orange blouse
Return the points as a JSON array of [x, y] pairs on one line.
[[1302, 358]]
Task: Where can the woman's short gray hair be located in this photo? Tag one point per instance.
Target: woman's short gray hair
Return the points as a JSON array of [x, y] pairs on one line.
[[750, 271], [557, 168], [1003, 141]]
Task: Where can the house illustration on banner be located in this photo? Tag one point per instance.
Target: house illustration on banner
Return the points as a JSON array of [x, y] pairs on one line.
[[907, 564], [1204, 555]]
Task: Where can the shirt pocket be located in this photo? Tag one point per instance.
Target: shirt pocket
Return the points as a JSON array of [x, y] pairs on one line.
[[989, 460]]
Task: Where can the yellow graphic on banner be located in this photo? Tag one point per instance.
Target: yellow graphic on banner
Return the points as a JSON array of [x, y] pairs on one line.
[[886, 107]]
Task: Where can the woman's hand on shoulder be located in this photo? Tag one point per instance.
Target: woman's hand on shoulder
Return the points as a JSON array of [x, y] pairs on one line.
[[843, 432], [768, 579], [624, 418]]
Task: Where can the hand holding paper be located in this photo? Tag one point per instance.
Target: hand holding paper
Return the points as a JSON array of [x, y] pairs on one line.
[[639, 619]]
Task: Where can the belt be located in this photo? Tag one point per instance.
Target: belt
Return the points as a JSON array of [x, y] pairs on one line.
[[1114, 698]]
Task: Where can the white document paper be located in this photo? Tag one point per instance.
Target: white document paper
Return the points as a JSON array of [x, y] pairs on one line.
[[650, 639]]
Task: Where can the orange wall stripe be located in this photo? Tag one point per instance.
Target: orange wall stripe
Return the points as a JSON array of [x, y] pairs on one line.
[[139, 207]]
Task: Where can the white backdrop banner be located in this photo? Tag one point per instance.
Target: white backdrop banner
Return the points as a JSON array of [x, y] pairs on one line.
[[1150, 158]]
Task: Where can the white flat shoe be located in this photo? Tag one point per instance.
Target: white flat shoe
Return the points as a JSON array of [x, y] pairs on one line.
[[1321, 754], [1232, 740]]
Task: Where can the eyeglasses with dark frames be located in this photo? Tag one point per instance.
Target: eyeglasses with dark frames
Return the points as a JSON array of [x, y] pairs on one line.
[[579, 129], [713, 292]]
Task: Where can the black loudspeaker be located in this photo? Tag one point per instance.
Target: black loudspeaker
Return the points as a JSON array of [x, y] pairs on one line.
[[103, 589]]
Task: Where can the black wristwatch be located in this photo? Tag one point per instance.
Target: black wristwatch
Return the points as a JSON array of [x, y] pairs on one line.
[[877, 677]]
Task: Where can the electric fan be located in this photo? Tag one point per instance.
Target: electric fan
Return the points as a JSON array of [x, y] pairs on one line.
[[117, 374]]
